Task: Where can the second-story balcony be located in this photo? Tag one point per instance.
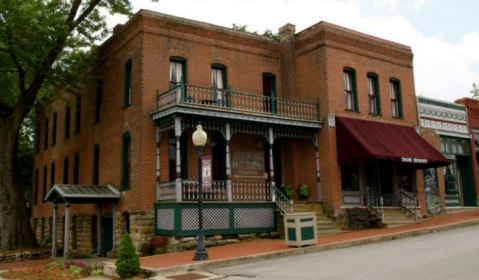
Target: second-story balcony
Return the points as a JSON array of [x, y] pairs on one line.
[[227, 100]]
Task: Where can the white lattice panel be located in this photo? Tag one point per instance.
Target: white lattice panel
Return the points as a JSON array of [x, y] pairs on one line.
[[165, 219], [254, 218], [214, 218]]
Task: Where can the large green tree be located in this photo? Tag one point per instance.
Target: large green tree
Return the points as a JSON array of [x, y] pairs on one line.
[[45, 48]]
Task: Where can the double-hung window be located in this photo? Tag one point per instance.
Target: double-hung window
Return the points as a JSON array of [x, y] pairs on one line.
[[128, 94], [177, 76], [373, 94], [218, 83], [396, 106], [350, 89]]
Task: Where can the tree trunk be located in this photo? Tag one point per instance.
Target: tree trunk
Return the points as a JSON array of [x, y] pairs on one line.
[[15, 226]]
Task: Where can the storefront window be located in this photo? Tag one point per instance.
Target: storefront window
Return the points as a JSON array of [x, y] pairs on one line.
[[405, 178], [450, 175], [350, 177], [455, 146]]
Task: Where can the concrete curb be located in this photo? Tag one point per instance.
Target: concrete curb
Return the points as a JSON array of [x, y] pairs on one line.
[[109, 268]]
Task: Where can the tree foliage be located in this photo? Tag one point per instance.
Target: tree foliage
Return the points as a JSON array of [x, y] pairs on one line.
[[268, 33], [46, 48], [128, 262], [475, 91]]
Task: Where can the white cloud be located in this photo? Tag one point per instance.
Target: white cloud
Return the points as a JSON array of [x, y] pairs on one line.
[[442, 70]]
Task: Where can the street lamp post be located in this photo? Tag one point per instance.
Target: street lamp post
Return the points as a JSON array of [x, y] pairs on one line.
[[199, 139]]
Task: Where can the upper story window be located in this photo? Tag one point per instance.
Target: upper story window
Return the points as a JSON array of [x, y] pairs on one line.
[[52, 177], [37, 140], [35, 190], [269, 92], [96, 164], [177, 71], [128, 95], [373, 94], [218, 82], [396, 102], [44, 189], [65, 170], [54, 129], [99, 100], [76, 169], [350, 89], [67, 121], [78, 114], [126, 162], [45, 143]]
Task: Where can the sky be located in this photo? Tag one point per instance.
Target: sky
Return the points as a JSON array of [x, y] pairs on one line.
[[443, 34]]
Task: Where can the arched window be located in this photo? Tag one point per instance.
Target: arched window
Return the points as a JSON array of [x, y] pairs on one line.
[[35, 190], [52, 177], [128, 94], [373, 94], [396, 100], [44, 192], [126, 162]]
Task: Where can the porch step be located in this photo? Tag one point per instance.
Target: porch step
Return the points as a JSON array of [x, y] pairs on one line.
[[395, 217], [324, 224]]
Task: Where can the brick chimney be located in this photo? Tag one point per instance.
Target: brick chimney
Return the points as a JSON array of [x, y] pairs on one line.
[[289, 74]]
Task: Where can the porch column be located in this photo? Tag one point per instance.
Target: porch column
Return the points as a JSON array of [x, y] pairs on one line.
[[113, 210], [66, 244], [98, 230], [229, 191], [271, 163], [54, 230], [318, 170], [179, 195], [158, 160]]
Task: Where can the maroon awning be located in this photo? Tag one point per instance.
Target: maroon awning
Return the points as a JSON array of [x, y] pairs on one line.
[[360, 140]]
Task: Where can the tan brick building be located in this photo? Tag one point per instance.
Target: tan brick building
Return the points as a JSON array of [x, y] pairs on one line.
[[271, 110]]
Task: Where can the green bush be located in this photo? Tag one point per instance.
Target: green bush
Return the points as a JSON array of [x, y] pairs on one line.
[[288, 191], [304, 190], [47, 241], [128, 263]]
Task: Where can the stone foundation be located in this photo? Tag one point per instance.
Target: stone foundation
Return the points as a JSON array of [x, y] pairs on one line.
[[141, 228], [34, 254]]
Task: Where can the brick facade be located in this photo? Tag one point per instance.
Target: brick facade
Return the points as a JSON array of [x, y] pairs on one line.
[[308, 66]]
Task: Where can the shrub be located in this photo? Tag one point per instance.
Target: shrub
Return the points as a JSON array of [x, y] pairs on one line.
[[288, 191], [46, 241], [128, 263]]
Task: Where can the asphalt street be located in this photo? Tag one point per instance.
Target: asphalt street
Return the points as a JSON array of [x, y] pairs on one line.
[[452, 254]]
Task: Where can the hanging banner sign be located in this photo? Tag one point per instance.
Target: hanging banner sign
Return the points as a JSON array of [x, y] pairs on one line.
[[207, 169]]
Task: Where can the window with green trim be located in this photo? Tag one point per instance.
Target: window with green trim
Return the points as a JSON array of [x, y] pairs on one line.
[[35, 190], [126, 162], [128, 94], [65, 170], [396, 102], [350, 177], [218, 83], [44, 189], [67, 121], [98, 101], [373, 94], [96, 164], [450, 178], [52, 177], [76, 169], [45, 143], [454, 146], [269, 92], [54, 129], [37, 140], [177, 71], [78, 114], [350, 91]]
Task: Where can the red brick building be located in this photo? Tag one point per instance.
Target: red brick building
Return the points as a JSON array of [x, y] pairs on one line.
[[272, 111]]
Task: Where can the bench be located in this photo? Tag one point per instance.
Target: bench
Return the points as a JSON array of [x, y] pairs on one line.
[[360, 218]]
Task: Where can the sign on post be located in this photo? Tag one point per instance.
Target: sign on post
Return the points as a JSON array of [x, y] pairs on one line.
[[207, 169]]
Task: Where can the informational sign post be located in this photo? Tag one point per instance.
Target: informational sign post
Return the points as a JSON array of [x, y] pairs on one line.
[[206, 176]]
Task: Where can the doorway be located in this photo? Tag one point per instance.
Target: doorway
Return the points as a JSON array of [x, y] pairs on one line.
[[107, 231]]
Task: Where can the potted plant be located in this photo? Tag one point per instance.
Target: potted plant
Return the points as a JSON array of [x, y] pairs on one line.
[[303, 191], [288, 191]]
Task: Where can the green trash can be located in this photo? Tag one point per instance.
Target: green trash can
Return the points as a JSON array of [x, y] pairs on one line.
[[300, 229]]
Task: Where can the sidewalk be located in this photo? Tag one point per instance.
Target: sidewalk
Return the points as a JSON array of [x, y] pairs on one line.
[[268, 249]]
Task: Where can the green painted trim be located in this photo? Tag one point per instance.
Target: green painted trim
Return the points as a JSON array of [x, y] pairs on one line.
[[290, 220], [378, 92], [127, 84], [124, 161], [355, 88], [292, 234], [441, 103], [399, 97], [306, 220], [178, 207], [307, 233]]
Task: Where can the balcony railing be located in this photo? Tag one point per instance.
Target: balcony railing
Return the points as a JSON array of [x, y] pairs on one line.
[[241, 191], [237, 101]]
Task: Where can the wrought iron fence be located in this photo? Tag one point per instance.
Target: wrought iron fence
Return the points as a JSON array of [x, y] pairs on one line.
[[284, 204], [408, 203], [239, 101]]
